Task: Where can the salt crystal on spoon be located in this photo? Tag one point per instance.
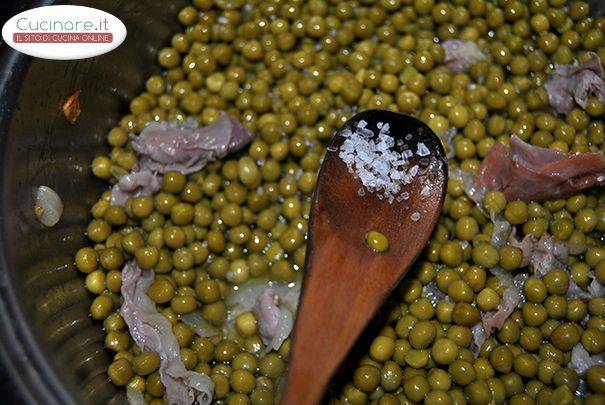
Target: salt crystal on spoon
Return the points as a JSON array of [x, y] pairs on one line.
[[423, 150], [372, 158]]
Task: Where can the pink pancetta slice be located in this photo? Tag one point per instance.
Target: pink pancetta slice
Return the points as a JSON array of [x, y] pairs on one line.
[[164, 146], [461, 55], [511, 299], [542, 255], [569, 85], [531, 173], [151, 331], [135, 184], [275, 321]]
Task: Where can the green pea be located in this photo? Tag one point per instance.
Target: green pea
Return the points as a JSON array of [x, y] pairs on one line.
[[376, 241]]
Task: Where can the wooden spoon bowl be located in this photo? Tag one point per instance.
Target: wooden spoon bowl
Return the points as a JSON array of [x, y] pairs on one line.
[[344, 281]]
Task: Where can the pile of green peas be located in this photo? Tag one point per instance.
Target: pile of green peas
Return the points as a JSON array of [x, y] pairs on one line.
[[293, 72]]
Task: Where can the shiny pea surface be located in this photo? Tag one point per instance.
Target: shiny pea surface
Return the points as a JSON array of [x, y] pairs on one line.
[[376, 241]]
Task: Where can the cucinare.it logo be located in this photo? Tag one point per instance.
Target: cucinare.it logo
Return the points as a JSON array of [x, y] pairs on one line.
[[64, 32]]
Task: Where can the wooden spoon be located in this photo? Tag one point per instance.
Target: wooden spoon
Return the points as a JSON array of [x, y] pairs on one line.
[[344, 281]]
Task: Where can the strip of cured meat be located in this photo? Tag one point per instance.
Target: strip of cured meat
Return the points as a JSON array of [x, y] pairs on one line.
[[531, 173]]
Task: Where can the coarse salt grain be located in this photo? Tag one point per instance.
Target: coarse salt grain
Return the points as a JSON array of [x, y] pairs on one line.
[[415, 216], [422, 150], [372, 159], [384, 129], [403, 196]]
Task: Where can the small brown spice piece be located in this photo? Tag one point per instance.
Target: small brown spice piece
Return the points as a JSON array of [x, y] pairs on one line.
[[39, 211], [72, 107]]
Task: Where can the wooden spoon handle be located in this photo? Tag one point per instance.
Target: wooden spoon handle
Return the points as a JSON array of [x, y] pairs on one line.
[[332, 314]]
